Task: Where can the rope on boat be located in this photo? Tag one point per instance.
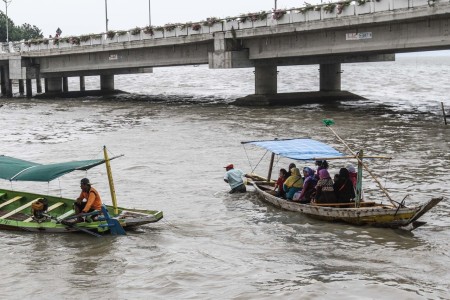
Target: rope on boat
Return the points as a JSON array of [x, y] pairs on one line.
[[260, 161]]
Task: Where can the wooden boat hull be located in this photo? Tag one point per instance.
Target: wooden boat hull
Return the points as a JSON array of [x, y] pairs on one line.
[[380, 216], [15, 214]]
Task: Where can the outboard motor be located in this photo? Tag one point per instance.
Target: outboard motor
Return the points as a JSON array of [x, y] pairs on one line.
[[38, 209]]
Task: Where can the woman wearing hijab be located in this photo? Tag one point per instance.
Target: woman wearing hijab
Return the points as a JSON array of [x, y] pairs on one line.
[[343, 186], [324, 188], [309, 185], [293, 184]]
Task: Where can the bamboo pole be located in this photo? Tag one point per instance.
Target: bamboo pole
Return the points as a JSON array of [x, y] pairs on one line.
[[111, 181], [365, 167], [270, 167], [443, 112]]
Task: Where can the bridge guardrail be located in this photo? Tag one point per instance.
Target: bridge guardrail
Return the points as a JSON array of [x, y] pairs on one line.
[[309, 13]]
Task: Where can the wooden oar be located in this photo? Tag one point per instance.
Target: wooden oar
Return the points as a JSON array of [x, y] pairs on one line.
[[328, 124]]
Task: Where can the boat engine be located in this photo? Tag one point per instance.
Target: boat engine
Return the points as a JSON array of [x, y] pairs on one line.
[[39, 208]]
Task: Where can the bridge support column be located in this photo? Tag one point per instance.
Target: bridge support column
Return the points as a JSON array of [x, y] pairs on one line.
[[82, 84], [107, 82], [54, 85], [65, 84], [3, 80], [21, 87], [45, 85], [38, 85], [266, 80], [6, 82], [29, 88], [330, 77]]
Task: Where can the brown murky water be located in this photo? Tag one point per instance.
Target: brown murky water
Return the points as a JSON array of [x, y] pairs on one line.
[[215, 245]]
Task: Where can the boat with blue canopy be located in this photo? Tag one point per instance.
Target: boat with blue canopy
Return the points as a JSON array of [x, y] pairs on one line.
[[27, 211], [394, 214]]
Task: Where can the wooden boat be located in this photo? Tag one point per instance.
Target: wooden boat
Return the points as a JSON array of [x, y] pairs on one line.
[[58, 217], [393, 215]]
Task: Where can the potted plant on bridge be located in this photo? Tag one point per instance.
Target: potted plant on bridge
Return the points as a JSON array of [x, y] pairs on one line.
[[345, 8], [245, 21], [231, 22], [158, 32], [135, 34], [182, 29], [169, 30], [280, 16], [123, 36], [214, 24], [148, 32], [363, 7], [329, 11], [111, 36], [196, 28]]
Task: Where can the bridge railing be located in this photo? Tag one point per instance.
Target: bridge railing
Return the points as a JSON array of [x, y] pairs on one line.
[[308, 13]]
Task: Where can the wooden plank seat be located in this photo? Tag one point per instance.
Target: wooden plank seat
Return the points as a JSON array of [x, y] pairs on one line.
[[346, 205], [10, 201], [18, 209], [50, 208]]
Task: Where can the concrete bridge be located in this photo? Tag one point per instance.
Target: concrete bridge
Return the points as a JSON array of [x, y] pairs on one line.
[[327, 34]]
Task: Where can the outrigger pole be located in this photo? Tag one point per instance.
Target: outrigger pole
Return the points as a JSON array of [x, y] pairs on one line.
[[110, 180], [328, 124]]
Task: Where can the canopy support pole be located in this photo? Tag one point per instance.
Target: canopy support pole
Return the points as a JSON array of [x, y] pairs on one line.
[[365, 167], [111, 181], [359, 180], [270, 167]]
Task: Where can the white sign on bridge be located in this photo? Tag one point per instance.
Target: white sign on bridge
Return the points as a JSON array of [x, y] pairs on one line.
[[358, 36]]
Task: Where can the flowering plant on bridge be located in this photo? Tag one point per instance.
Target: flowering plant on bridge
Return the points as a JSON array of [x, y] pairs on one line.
[[85, 37], [121, 32], [341, 5], [186, 25], [170, 27], [196, 27], [361, 2], [211, 21], [329, 8], [231, 19], [278, 14], [159, 28], [149, 30], [111, 34], [74, 40], [135, 31], [308, 7]]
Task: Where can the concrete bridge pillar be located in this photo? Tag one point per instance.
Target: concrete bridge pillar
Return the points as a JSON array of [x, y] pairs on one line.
[[54, 85], [82, 84], [29, 88], [45, 85], [6, 86], [21, 87], [107, 82], [330, 77], [65, 84], [38, 84], [266, 80]]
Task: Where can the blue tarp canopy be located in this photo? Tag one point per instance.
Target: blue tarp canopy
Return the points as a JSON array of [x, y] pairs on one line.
[[299, 149], [21, 170]]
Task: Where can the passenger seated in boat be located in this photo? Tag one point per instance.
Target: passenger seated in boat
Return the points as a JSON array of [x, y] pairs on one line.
[[278, 189], [324, 189], [309, 186], [343, 187], [321, 164], [291, 165], [89, 199], [293, 184], [234, 178], [353, 174]]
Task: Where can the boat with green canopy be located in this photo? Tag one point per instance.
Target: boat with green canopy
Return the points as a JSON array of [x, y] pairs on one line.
[[394, 214], [27, 211]]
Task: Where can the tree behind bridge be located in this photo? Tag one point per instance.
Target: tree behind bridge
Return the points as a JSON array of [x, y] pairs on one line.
[[17, 33]]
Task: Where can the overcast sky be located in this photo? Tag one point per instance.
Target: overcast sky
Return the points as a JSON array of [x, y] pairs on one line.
[[76, 17]]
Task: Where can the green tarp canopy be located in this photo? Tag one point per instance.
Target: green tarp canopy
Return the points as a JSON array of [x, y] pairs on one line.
[[14, 169]]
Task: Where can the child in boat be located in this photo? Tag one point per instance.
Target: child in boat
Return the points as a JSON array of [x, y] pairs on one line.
[[293, 184], [324, 188], [278, 189], [343, 186]]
